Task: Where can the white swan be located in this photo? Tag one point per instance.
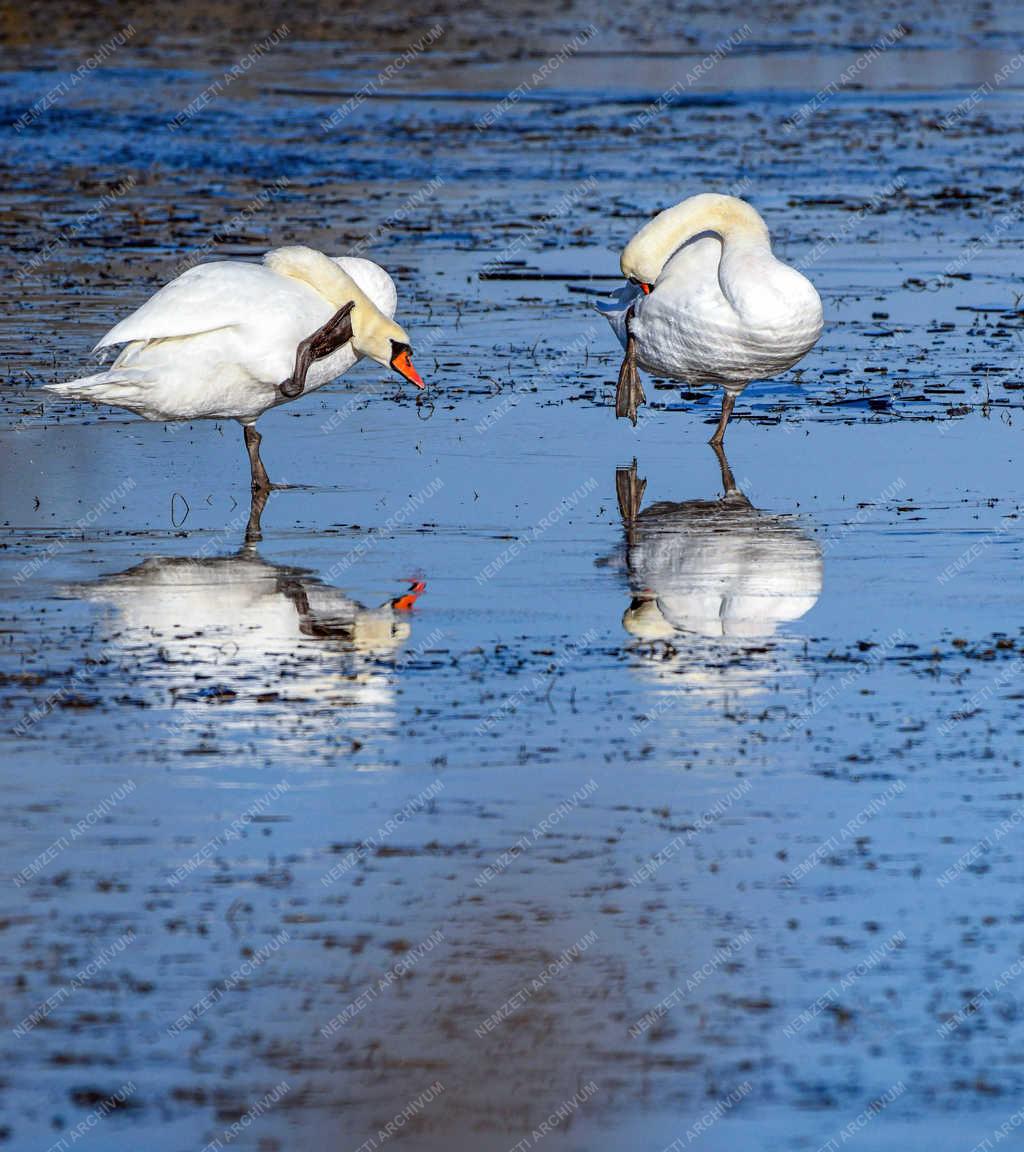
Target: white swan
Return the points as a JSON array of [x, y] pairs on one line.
[[709, 303], [229, 340]]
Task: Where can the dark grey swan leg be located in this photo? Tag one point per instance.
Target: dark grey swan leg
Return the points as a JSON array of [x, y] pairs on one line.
[[629, 393], [728, 402], [325, 340], [260, 479]]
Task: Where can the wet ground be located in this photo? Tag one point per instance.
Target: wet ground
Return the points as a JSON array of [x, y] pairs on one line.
[[439, 788]]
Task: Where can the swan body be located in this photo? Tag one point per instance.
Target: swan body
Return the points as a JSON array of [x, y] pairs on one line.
[[708, 302], [217, 342]]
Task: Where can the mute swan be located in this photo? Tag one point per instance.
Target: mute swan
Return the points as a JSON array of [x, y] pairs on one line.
[[707, 302], [229, 340]]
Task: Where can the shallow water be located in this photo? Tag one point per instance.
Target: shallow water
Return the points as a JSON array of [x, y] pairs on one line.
[[806, 700]]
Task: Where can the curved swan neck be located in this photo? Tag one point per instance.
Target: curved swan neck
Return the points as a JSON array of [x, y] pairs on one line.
[[730, 218], [372, 332], [311, 267]]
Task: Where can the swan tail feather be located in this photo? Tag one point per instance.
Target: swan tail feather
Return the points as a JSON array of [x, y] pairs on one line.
[[616, 308], [116, 387]]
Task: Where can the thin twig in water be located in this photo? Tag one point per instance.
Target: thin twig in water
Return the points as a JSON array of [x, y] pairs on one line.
[[179, 496]]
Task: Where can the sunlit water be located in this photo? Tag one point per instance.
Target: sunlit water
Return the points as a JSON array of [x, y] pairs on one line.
[[752, 758]]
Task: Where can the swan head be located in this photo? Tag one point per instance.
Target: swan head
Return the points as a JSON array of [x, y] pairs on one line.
[[647, 253], [380, 338]]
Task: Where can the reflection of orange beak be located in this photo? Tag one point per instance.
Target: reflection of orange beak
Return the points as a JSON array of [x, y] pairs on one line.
[[406, 602], [646, 289], [402, 364]]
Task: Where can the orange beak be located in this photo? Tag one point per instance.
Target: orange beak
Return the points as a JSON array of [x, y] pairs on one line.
[[646, 289], [402, 364], [406, 602]]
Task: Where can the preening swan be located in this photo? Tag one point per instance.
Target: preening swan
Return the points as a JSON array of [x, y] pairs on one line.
[[707, 302], [229, 340]]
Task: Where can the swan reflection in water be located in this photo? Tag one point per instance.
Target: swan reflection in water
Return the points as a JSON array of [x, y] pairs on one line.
[[713, 575], [198, 630]]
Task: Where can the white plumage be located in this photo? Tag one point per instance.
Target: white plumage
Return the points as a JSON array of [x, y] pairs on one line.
[[708, 302], [216, 342], [219, 341]]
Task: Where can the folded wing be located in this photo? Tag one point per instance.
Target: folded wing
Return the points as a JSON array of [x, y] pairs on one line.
[[205, 298]]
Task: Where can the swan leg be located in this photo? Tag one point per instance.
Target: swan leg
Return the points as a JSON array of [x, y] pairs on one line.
[[326, 339], [629, 489], [728, 401], [260, 479], [629, 393]]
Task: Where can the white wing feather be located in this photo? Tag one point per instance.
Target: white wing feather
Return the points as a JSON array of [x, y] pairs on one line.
[[373, 280], [226, 293]]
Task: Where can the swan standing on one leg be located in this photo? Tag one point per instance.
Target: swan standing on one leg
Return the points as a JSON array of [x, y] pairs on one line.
[[707, 302], [229, 340]]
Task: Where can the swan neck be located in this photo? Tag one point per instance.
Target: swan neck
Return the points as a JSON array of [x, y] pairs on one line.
[[734, 221], [373, 333]]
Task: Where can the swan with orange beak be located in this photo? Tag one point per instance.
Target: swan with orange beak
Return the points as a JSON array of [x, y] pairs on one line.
[[708, 302], [230, 339]]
